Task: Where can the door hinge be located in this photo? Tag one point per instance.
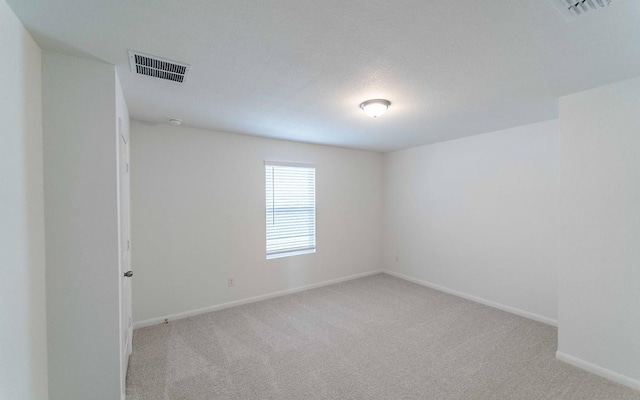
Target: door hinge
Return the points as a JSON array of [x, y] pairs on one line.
[[128, 244]]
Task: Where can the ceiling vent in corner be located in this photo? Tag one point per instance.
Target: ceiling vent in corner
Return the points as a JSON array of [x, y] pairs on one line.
[[572, 9], [145, 64]]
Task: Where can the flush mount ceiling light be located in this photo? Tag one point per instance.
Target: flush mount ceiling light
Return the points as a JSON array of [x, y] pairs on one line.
[[375, 108], [175, 121]]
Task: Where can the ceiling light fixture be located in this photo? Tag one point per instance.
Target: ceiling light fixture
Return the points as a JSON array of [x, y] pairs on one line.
[[175, 121], [375, 108]]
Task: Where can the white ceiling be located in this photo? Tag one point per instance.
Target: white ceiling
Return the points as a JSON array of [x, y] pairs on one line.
[[298, 69]]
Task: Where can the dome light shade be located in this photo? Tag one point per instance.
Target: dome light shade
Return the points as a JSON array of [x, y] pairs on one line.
[[375, 108]]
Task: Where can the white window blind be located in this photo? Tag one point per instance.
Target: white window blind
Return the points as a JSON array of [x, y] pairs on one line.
[[291, 209]]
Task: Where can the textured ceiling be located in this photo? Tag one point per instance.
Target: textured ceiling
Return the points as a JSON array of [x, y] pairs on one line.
[[298, 69]]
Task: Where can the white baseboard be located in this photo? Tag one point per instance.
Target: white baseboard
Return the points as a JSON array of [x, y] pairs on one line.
[[600, 371], [187, 314], [509, 309]]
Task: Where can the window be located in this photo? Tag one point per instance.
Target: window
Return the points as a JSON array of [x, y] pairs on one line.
[[291, 209]]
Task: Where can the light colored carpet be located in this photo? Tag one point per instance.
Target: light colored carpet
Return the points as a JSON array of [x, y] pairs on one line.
[[377, 337]]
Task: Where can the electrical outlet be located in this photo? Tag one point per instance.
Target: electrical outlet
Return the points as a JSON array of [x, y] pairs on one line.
[[231, 282]]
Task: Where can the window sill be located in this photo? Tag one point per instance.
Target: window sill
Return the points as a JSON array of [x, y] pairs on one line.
[[290, 254]]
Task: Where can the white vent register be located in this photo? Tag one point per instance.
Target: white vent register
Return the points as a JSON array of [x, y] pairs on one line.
[[571, 9], [157, 67]]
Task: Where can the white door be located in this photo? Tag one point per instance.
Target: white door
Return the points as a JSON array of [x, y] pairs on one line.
[[126, 272]]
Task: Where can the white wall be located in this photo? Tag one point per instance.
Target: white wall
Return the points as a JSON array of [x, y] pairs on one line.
[[198, 209], [23, 340], [80, 160], [478, 216], [599, 304]]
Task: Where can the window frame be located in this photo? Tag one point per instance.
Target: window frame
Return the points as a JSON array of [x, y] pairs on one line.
[[290, 252]]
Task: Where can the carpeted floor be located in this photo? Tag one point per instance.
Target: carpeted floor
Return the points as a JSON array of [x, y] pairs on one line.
[[377, 337]]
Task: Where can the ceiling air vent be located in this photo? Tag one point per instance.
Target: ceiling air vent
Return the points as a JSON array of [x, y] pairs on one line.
[[571, 9], [157, 67]]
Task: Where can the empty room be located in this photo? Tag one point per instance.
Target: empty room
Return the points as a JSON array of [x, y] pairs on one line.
[[288, 200]]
